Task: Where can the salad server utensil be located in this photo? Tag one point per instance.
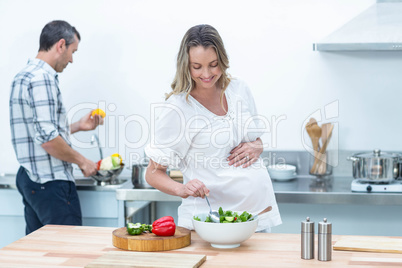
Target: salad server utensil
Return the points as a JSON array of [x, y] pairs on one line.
[[262, 212], [213, 214]]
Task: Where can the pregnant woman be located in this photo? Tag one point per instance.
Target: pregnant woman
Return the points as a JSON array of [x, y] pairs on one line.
[[209, 128]]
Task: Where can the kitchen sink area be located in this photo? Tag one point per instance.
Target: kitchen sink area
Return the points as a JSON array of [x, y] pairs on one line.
[[90, 184], [7, 181]]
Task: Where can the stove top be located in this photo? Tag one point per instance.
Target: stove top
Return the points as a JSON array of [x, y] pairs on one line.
[[367, 187]]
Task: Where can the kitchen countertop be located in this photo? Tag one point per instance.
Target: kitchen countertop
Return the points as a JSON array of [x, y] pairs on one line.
[[303, 189], [77, 246]]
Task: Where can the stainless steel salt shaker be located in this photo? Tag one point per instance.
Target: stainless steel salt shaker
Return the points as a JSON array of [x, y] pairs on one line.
[[307, 239], [324, 240]]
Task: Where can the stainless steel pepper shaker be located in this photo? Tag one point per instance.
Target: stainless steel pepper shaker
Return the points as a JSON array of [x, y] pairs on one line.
[[307, 239], [324, 240]]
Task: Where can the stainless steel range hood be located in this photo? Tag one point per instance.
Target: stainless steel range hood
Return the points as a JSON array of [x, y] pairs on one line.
[[379, 28]]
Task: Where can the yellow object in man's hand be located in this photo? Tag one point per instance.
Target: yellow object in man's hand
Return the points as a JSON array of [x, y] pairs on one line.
[[98, 111]]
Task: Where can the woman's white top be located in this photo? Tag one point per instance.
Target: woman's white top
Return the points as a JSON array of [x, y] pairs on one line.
[[186, 135]]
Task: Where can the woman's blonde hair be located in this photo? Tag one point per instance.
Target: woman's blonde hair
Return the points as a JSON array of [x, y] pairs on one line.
[[200, 35]]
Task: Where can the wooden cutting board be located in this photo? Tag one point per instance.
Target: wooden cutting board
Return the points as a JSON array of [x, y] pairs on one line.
[[151, 242], [147, 259], [370, 244]]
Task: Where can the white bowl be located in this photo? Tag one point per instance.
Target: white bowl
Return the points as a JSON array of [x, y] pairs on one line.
[[224, 235], [282, 172]]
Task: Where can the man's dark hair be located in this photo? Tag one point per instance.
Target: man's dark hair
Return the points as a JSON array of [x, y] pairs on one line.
[[54, 31]]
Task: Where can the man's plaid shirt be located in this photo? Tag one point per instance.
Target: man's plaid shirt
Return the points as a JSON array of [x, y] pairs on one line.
[[37, 115]]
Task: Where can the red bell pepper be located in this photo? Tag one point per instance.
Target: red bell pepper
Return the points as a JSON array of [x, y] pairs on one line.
[[164, 226]]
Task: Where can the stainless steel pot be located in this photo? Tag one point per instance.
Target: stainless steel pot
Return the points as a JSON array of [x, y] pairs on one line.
[[138, 176], [376, 166]]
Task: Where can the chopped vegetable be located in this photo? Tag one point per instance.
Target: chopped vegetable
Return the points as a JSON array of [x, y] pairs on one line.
[[138, 228], [111, 162], [164, 226], [117, 158], [229, 219], [147, 227], [134, 229], [220, 211], [228, 216]]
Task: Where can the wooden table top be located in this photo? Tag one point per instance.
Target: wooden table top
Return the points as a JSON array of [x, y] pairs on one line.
[[77, 246]]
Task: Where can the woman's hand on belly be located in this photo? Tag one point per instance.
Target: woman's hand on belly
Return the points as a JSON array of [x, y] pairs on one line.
[[194, 188], [246, 153]]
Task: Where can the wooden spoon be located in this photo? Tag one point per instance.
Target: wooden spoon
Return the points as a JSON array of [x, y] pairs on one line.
[[322, 150], [322, 165], [314, 131]]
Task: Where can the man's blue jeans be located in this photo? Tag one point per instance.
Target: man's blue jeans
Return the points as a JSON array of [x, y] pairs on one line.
[[54, 202]]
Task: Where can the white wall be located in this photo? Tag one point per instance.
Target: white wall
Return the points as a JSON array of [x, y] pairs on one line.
[[127, 59]]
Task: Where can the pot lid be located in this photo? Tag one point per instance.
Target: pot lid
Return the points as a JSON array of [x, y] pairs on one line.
[[377, 153]]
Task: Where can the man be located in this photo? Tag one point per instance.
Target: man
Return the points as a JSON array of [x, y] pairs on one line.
[[40, 133]]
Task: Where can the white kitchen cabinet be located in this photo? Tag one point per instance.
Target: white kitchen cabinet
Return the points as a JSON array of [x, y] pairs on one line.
[[12, 222], [100, 208]]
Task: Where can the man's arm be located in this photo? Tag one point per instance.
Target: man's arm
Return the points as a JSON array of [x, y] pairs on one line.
[[87, 122], [59, 149]]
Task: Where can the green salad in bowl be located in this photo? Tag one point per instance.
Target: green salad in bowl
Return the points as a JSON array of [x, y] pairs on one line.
[[232, 230], [228, 216]]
